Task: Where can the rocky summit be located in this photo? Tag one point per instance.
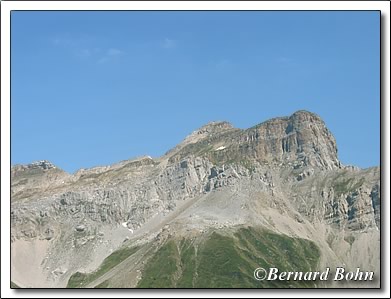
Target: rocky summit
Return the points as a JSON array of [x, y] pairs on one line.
[[222, 203]]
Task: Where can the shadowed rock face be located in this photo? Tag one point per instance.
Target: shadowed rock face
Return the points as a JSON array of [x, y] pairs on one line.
[[283, 174]]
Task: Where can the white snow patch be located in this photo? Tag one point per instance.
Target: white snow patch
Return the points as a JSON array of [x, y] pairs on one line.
[[220, 148], [124, 224]]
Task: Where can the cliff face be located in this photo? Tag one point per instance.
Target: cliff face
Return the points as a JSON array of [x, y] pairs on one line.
[[283, 174], [301, 138]]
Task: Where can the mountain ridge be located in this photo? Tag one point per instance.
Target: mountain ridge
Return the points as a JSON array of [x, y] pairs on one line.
[[282, 175], [210, 127]]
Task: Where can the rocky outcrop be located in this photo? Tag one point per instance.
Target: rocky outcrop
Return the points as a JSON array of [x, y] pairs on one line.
[[345, 199], [132, 202], [28, 181], [301, 138], [37, 165]]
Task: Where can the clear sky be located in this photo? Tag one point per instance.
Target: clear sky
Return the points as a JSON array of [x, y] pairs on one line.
[[94, 88]]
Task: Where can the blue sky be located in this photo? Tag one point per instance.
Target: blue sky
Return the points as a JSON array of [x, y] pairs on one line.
[[94, 88]]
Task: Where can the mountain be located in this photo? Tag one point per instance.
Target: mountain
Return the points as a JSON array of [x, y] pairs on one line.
[[222, 203]]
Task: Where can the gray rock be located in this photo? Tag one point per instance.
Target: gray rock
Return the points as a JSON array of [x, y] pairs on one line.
[[81, 228]]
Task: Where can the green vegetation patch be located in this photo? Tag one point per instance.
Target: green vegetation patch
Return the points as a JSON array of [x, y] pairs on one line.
[[350, 239], [223, 261], [162, 268], [188, 265], [102, 285], [343, 186], [79, 280]]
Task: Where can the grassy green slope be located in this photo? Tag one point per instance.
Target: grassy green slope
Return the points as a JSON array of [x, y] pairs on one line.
[[79, 280], [229, 261], [218, 261]]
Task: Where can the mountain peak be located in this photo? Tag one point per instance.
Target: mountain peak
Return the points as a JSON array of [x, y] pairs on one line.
[[214, 127], [210, 129], [302, 135], [299, 138], [44, 164], [304, 115], [40, 164], [305, 112]]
